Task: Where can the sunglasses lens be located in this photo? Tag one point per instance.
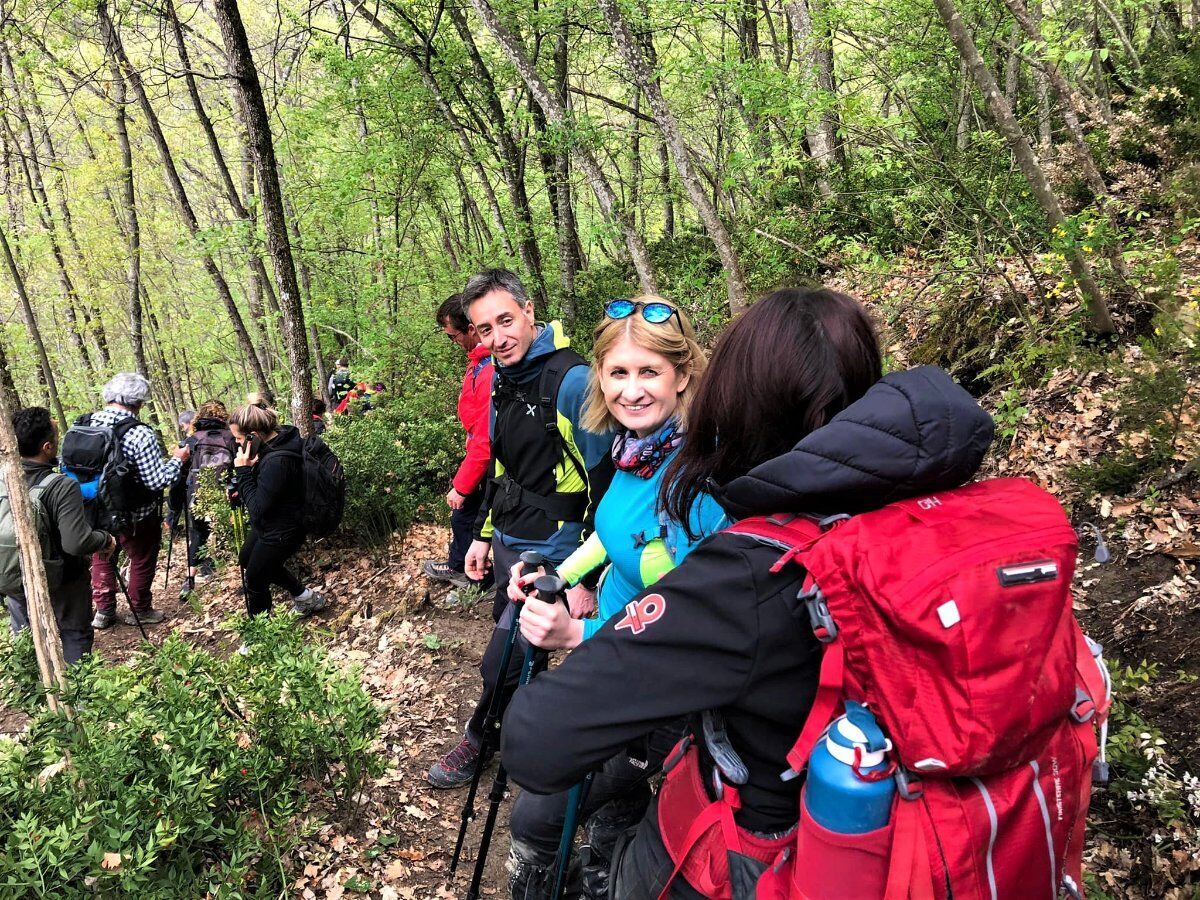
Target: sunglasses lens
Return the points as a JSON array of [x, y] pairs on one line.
[[619, 309], [656, 313]]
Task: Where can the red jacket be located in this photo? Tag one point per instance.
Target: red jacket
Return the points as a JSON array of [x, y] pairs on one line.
[[475, 414]]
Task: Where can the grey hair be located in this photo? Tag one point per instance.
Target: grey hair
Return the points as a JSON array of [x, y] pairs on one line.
[[186, 418], [127, 389], [493, 280]]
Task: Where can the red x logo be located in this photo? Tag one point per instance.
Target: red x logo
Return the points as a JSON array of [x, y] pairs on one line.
[[640, 613]]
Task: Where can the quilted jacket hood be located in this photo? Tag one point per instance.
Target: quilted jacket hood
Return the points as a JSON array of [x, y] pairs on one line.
[[912, 433]]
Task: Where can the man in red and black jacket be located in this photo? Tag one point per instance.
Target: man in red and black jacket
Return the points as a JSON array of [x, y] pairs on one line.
[[474, 409]]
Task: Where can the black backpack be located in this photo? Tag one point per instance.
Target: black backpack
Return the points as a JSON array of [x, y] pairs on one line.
[[342, 384], [111, 486], [324, 488]]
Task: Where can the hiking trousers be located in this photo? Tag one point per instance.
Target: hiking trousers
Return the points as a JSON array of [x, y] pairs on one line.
[[462, 528], [264, 565], [72, 605], [141, 542]]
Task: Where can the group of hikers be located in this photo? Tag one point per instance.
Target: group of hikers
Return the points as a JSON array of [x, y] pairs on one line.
[[98, 493], [807, 656], [857, 674]]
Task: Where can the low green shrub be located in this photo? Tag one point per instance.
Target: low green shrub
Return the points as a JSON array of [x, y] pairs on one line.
[[181, 775]]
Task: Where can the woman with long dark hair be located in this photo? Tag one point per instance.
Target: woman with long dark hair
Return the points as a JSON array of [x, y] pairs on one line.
[[794, 416]]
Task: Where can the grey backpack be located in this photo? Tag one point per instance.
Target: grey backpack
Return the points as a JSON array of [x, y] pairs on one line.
[[10, 554]]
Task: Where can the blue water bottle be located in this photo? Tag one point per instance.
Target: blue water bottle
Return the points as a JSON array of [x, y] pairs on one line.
[[841, 796]]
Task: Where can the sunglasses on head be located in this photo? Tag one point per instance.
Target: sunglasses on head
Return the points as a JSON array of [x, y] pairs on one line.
[[655, 313]]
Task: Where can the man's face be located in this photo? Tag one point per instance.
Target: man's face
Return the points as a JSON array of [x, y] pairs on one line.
[[504, 326], [464, 339]]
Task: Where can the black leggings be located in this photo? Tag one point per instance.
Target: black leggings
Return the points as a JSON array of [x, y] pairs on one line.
[[264, 566]]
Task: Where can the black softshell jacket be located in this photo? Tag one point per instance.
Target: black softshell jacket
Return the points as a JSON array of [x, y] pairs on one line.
[[732, 636], [273, 490]]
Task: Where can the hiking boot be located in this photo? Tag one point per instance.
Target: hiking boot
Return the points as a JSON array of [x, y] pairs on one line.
[[314, 603], [147, 616], [104, 618], [457, 767], [186, 591], [441, 571]]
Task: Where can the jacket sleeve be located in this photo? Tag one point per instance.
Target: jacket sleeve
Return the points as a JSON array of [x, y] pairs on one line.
[[697, 652], [155, 472], [76, 534], [479, 443], [590, 556]]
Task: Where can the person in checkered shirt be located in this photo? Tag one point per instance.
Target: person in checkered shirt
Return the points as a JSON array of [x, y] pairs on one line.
[[124, 396]]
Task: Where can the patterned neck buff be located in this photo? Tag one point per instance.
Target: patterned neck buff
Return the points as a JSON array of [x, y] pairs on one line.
[[643, 456]]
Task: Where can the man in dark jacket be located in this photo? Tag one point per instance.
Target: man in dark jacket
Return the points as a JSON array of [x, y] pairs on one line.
[[72, 539], [546, 471], [728, 633]]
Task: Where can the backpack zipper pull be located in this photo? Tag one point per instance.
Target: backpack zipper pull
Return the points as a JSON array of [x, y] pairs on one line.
[[1102, 554]]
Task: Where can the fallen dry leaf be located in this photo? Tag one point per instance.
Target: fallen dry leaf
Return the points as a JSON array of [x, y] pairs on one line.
[[111, 861]]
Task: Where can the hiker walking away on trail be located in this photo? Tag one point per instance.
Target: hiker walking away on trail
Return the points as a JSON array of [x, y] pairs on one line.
[[646, 370], [792, 416], [68, 538], [546, 470], [185, 420], [124, 396], [270, 474], [474, 414], [213, 449], [340, 383], [318, 416]]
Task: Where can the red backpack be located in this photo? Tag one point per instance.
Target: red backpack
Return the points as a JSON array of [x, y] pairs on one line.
[[950, 616]]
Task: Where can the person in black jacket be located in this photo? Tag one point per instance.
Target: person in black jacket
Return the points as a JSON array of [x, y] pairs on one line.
[[821, 433], [270, 477]]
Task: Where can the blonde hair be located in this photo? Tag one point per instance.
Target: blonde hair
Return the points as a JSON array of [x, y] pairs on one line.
[[213, 409], [680, 348], [261, 420]]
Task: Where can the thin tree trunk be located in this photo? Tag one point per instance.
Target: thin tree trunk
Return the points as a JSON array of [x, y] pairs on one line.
[[1006, 123], [558, 116], [1040, 86], [241, 67], [821, 140], [47, 643], [182, 203], [568, 235], [35, 333], [681, 154], [962, 128], [6, 378]]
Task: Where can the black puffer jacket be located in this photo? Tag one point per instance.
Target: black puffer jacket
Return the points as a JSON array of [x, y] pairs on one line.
[[731, 635], [273, 490]]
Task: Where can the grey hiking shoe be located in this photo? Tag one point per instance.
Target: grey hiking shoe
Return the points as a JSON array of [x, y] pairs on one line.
[[441, 571], [148, 616], [456, 768], [305, 608], [104, 618]]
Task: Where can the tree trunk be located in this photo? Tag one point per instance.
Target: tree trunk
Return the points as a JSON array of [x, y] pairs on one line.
[[129, 208], [35, 333], [47, 643], [568, 235], [6, 378], [822, 138], [1006, 123], [681, 155], [557, 116], [182, 203], [241, 67]]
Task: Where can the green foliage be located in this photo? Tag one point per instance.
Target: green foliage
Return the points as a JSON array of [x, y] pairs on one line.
[[211, 504], [182, 774], [398, 462]]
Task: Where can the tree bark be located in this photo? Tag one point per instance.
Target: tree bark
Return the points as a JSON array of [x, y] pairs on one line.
[[681, 154], [241, 67], [1006, 123], [35, 333], [822, 135], [182, 203], [559, 118], [47, 643]]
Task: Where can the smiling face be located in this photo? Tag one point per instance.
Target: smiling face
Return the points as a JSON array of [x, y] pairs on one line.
[[504, 326], [641, 388]]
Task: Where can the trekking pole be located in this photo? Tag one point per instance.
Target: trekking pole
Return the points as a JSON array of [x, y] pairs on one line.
[[575, 800], [170, 547], [530, 560], [189, 529], [548, 588], [132, 609]]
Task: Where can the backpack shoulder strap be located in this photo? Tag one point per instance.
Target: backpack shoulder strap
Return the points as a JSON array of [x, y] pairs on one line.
[[790, 532], [554, 371]]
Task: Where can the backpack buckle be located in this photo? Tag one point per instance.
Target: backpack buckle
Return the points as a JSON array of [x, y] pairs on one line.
[[819, 615], [1084, 708], [907, 785]]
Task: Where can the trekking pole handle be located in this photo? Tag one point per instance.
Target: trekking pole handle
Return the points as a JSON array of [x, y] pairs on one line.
[[550, 588], [530, 561]]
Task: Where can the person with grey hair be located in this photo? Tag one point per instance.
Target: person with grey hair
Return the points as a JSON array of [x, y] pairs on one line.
[[185, 420], [124, 396]]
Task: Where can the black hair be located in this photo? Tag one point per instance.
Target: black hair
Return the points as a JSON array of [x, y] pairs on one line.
[[493, 280], [34, 428], [451, 312], [318, 407], [808, 352]]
